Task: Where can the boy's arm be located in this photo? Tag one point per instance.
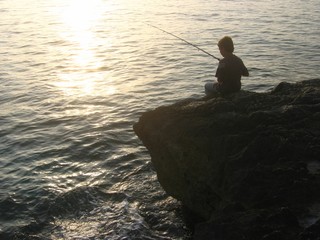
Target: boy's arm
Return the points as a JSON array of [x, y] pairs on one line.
[[245, 71]]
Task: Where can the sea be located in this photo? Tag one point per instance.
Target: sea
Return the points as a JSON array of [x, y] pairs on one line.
[[75, 75]]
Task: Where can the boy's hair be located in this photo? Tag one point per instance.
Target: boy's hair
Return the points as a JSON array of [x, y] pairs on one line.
[[226, 43]]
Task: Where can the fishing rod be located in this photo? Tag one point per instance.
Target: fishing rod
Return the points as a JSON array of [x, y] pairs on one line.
[[193, 45]]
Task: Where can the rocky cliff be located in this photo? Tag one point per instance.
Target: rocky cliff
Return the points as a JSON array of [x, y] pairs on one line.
[[247, 163]]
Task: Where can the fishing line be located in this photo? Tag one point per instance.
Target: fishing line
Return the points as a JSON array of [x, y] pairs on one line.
[[193, 45]]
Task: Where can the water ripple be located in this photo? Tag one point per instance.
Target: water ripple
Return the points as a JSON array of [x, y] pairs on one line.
[[73, 85]]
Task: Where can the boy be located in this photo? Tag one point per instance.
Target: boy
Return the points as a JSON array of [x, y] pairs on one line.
[[229, 71]]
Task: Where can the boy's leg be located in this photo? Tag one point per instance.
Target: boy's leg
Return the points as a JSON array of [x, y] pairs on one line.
[[210, 88]]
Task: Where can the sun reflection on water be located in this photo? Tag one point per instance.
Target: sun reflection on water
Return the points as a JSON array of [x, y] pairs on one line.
[[82, 72], [79, 14]]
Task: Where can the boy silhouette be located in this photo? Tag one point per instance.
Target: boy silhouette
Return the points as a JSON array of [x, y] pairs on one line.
[[229, 71]]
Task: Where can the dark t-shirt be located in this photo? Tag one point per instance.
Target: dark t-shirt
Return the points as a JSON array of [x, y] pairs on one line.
[[229, 74]]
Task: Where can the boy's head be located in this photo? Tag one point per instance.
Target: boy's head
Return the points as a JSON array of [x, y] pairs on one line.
[[226, 44]]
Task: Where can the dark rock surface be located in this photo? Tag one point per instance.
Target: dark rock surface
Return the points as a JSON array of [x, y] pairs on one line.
[[247, 163]]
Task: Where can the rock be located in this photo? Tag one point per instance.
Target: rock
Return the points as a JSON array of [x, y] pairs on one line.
[[247, 163]]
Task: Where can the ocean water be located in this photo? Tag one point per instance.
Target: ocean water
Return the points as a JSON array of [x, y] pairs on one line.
[[76, 75]]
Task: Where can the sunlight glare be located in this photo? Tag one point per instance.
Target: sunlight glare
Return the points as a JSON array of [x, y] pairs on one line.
[[83, 75], [82, 14], [79, 84]]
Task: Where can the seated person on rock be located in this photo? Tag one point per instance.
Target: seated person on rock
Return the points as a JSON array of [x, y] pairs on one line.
[[229, 71]]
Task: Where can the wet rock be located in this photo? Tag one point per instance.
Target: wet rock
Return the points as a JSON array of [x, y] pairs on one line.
[[247, 163]]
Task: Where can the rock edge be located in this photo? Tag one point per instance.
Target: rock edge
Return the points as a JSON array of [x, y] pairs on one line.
[[247, 163]]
